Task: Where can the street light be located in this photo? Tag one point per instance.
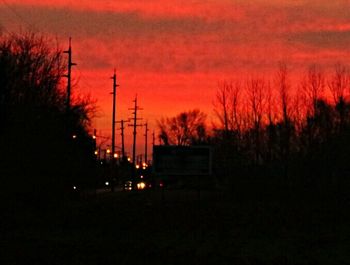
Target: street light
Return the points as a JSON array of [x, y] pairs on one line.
[[144, 165]]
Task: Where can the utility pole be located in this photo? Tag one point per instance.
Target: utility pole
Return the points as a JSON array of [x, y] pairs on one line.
[[114, 77], [122, 135], [69, 73], [94, 141], [146, 141], [134, 119], [153, 138], [153, 143]]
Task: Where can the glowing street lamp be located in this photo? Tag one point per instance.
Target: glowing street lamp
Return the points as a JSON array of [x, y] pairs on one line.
[[144, 165]]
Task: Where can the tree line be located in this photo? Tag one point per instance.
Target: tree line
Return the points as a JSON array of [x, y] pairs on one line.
[[294, 130]]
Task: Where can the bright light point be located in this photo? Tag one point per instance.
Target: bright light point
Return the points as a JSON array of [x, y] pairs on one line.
[[128, 185], [115, 155], [74, 136], [141, 176], [94, 137], [101, 163], [144, 164], [137, 166], [106, 183], [143, 167], [74, 187], [108, 151], [141, 185], [96, 152], [129, 159]]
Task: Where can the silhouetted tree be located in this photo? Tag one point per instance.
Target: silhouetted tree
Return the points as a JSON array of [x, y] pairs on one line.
[[271, 128], [44, 147], [338, 83], [256, 97], [222, 105], [313, 86], [285, 126], [227, 107], [186, 128]]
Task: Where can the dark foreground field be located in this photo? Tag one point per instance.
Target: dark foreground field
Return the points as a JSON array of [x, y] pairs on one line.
[[141, 228]]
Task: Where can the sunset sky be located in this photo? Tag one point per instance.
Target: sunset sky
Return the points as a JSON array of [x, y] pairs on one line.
[[172, 54]]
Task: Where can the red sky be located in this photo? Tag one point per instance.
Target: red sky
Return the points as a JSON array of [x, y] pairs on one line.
[[172, 54]]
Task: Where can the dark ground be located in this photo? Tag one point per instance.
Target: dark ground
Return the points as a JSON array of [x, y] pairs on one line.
[[141, 228]]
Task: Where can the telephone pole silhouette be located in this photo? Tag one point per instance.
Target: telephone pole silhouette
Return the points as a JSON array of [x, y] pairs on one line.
[[94, 140], [153, 143], [114, 77], [134, 119], [153, 139], [122, 135], [69, 73], [146, 141]]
